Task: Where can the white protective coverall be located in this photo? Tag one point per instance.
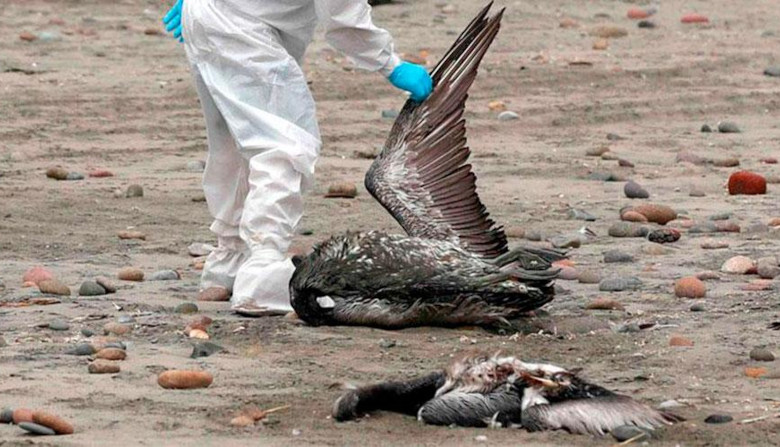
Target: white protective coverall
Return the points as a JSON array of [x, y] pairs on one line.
[[262, 130]]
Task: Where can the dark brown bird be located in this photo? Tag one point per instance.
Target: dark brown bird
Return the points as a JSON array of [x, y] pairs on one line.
[[479, 390], [453, 266]]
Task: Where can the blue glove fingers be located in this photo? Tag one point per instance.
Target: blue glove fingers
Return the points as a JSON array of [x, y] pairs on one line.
[[177, 32], [175, 11], [421, 91], [414, 79], [170, 26]]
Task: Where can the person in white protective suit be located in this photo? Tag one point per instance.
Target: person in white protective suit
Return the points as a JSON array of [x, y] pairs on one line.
[[262, 130]]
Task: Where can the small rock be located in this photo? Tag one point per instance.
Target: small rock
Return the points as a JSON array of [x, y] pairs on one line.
[[130, 274], [134, 191], [718, 419], [726, 163], [131, 234], [633, 216], [81, 349], [53, 422], [767, 267], [609, 32], [698, 307], [628, 328], [59, 325], [566, 241], [769, 160], [57, 173], [346, 190], [568, 273], [111, 354], [597, 151], [688, 157], [679, 340], [36, 275], [660, 214], [728, 127], [199, 334], [604, 304], [22, 415], [601, 44], [626, 432], [508, 115], [625, 163], [87, 332], [614, 137], [27, 36], [627, 229], [186, 308], [722, 216], [773, 71], [37, 429], [103, 367], [762, 355], [106, 284], [619, 284], [615, 256], [708, 275], [745, 182], [390, 114], [706, 128], [74, 176], [519, 232], [214, 294], [609, 156], [196, 165], [589, 277], [6, 416], [758, 285], [91, 288], [578, 214], [100, 173], [690, 287], [497, 106], [197, 249], [116, 328], [669, 404], [568, 23], [738, 265], [637, 14], [53, 287], [696, 193], [647, 24], [664, 236], [152, 32], [633, 190], [179, 379], [655, 249], [694, 18], [205, 349], [164, 275]]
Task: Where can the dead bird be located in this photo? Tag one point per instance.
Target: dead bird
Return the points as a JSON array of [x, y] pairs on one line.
[[453, 266], [480, 390]]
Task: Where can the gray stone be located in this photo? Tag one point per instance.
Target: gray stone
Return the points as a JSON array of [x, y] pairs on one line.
[[628, 328], [534, 235], [626, 432], [186, 308], [578, 214], [196, 166], [391, 114], [7, 415], [768, 268], [134, 191], [628, 229], [773, 71], [728, 127], [706, 128], [508, 115], [125, 319], [36, 429], [589, 277], [646, 24], [669, 404], [49, 36], [386, 344], [91, 288], [762, 355], [698, 307], [614, 256], [205, 349], [59, 325], [566, 241], [619, 284], [3, 343], [718, 419], [197, 249], [614, 137], [696, 193], [634, 190], [87, 332], [603, 176], [74, 176], [703, 228], [81, 349], [722, 216], [164, 275]]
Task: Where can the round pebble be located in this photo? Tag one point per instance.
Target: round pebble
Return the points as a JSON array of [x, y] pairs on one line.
[[205, 349], [81, 349], [620, 284], [609, 32], [589, 277], [773, 71], [706, 128], [100, 173], [131, 274], [54, 422], [690, 287], [694, 18], [738, 265], [164, 275], [767, 267], [655, 249], [214, 294], [616, 256], [627, 229], [708, 275], [634, 190], [718, 419], [597, 151], [37, 274], [134, 191], [57, 173], [179, 379], [568, 274], [747, 183], [726, 162], [626, 432], [131, 234], [103, 367], [53, 287], [646, 24], [728, 127], [59, 325], [762, 355], [91, 288], [678, 340], [116, 328], [111, 354], [74, 176], [637, 14], [664, 236], [345, 190], [106, 283], [6, 416], [186, 308], [698, 307], [508, 115], [604, 304], [660, 214], [36, 429]]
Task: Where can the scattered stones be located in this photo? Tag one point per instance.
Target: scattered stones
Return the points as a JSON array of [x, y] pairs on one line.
[[694, 18], [91, 288], [106, 284], [131, 234], [100, 173], [589, 277], [728, 127], [706, 128], [197, 249], [205, 349], [578, 214], [22, 415], [56, 423], [609, 32], [604, 304], [762, 355], [186, 308], [619, 284], [718, 419], [508, 115], [37, 429], [196, 165], [130, 274], [767, 267], [745, 182], [53, 287], [726, 162], [345, 190], [690, 287], [664, 236], [116, 328], [660, 214], [134, 191], [627, 229], [111, 354], [182, 380], [633, 190], [626, 432], [57, 173], [59, 325], [773, 71], [36, 275], [81, 349], [103, 367], [597, 151], [738, 265], [164, 275], [679, 340], [214, 294], [616, 256], [655, 249], [633, 216]]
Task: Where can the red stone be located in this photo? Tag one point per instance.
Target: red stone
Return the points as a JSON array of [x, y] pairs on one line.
[[101, 173], [637, 14], [36, 275], [28, 36], [744, 182], [694, 18]]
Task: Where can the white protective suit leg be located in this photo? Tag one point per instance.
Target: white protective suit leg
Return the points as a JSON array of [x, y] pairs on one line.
[[260, 91]]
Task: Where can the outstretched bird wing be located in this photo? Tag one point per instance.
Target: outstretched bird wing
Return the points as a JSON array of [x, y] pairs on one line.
[[421, 176]]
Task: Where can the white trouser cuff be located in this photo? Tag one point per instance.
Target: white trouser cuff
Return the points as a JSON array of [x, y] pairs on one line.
[[264, 282]]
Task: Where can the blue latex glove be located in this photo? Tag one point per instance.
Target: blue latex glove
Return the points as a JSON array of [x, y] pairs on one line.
[[172, 20], [414, 79]]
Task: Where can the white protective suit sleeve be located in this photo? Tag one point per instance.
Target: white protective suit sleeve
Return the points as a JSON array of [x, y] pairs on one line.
[[349, 29]]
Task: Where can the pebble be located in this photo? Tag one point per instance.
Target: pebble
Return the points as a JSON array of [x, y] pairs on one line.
[[694, 192], [615, 256], [609, 32], [74, 176], [718, 419], [606, 176], [773, 71], [196, 165], [519, 232], [604, 304], [508, 115], [634, 190], [589, 277], [199, 334], [201, 322], [496, 106], [628, 328], [626, 432], [694, 18], [775, 222], [708, 275], [601, 44], [91, 288], [758, 285], [164, 275], [738, 264], [37, 429], [27, 36], [130, 274], [103, 367], [59, 325], [568, 23], [179, 379], [126, 319], [87, 332], [6, 416], [390, 114], [134, 191], [619, 284], [633, 216], [745, 182], [116, 328], [706, 128], [197, 249], [566, 241], [609, 156], [726, 162], [22, 415], [568, 273], [205, 349], [664, 236], [660, 214], [597, 151], [722, 216], [480, 438], [53, 287], [727, 227], [111, 354], [768, 267], [614, 137], [679, 340], [669, 404], [53, 422], [769, 160], [627, 229], [728, 127], [186, 308], [655, 249], [214, 294], [637, 14], [625, 163], [106, 284], [100, 173], [648, 24], [578, 214], [761, 354], [131, 234], [690, 287], [688, 157], [81, 349], [345, 190], [36, 275], [698, 307], [57, 173]]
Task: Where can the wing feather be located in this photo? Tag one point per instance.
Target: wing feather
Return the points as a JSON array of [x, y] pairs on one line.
[[421, 176]]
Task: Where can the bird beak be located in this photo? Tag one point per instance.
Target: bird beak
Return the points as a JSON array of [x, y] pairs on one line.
[[545, 383]]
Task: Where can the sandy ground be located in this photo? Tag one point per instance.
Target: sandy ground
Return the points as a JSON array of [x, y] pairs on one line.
[[109, 96]]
